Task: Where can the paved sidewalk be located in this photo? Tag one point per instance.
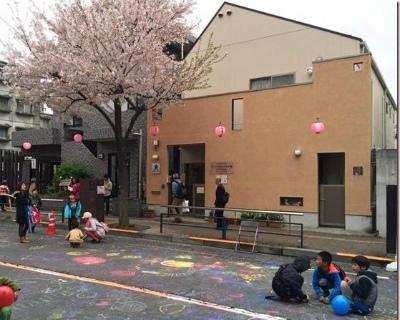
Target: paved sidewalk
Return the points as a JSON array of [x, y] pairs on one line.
[[330, 239]]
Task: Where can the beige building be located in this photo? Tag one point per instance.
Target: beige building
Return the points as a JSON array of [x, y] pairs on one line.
[[278, 76]]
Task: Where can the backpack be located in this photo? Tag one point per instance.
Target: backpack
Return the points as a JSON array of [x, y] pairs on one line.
[[342, 273], [226, 197], [181, 192]]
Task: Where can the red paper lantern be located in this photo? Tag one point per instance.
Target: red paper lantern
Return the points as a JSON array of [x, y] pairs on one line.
[[27, 145], [220, 130], [78, 138], [317, 127], [154, 130], [7, 296]]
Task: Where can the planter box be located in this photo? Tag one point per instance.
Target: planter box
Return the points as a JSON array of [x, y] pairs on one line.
[[275, 224], [262, 223], [233, 221], [149, 214]]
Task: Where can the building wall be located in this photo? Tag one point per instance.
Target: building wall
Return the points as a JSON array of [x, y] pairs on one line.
[[257, 45], [15, 121], [386, 174], [276, 122], [384, 117]]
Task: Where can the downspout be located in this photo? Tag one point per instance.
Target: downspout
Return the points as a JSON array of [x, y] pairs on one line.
[[373, 191]]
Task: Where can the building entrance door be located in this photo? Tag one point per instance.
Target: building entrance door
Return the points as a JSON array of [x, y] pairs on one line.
[[391, 218], [331, 169]]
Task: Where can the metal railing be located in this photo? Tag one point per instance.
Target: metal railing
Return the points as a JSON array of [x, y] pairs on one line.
[[225, 227]]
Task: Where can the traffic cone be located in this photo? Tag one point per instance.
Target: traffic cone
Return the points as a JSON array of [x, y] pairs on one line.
[[51, 228]]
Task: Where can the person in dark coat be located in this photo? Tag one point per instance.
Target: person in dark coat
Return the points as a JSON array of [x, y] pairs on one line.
[[219, 202], [363, 289], [22, 203], [288, 281]]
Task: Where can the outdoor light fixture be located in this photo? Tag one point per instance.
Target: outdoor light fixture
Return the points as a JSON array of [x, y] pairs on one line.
[[78, 138], [220, 130], [317, 126], [298, 152], [154, 130], [27, 145]]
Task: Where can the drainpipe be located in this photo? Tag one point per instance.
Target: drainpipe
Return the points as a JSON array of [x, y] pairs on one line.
[[373, 191], [384, 121]]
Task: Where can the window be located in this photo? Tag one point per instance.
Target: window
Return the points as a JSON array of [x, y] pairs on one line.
[[237, 114], [4, 104], [272, 82], [23, 108], [77, 121], [291, 201], [358, 66], [4, 133]]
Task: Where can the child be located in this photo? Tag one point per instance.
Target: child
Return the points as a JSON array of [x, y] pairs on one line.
[[72, 210], [36, 203], [75, 236], [326, 276], [5, 312], [363, 290], [288, 281]]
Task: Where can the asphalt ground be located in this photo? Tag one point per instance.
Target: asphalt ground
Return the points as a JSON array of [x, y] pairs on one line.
[[130, 278]]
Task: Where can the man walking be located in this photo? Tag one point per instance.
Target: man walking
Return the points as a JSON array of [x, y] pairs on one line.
[[178, 193]]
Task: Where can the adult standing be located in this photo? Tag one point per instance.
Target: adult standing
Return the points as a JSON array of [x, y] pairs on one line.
[[108, 186], [220, 201], [32, 186], [93, 228], [4, 198], [76, 188], [22, 204], [178, 193]]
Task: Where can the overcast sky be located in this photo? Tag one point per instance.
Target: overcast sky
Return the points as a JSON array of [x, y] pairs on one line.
[[372, 20]]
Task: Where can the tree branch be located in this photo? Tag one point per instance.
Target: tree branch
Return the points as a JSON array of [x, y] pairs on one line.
[[132, 122]]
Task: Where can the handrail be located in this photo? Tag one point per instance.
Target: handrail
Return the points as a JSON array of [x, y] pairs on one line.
[[288, 213], [49, 199]]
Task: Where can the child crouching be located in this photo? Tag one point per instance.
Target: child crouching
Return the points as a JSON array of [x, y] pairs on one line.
[[75, 236], [362, 290]]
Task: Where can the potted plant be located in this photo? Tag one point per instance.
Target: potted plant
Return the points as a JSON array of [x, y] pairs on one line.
[[148, 212], [262, 219], [275, 220]]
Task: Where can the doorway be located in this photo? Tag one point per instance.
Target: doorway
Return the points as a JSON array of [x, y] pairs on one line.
[[391, 218], [331, 173]]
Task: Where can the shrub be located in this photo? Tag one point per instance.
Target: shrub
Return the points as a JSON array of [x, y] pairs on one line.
[[275, 217], [71, 169]]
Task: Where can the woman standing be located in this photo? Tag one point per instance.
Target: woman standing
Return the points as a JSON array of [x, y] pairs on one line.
[[22, 207], [93, 228], [108, 186]]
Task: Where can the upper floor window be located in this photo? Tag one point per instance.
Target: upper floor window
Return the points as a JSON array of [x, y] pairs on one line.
[[77, 121], [4, 133], [5, 104], [237, 114], [272, 81], [25, 108]]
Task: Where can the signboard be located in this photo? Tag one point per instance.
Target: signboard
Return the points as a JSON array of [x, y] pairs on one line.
[[221, 167], [224, 179]]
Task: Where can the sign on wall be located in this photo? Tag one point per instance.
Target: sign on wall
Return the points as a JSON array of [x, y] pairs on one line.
[[224, 179], [221, 167], [155, 168]]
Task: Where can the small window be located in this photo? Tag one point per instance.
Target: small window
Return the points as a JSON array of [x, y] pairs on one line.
[[358, 66], [261, 83], [4, 133], [291, 201], [284, 80], [237, 114], [77, 121], [5, 104]]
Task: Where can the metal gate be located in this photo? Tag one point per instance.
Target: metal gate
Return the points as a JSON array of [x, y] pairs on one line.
[[11, 167]]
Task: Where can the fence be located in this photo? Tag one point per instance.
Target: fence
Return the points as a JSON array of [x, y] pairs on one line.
[[11, 167], [224, 221]]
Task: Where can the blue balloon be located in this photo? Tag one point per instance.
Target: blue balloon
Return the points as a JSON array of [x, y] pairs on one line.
[[340, 305]]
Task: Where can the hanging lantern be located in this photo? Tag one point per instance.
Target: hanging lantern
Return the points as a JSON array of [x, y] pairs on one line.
[[220, 130], [154, 130], [27, 145], [317, 126], [78, 138]]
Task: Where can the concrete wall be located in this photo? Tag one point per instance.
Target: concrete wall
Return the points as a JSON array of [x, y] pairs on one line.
[[258, 45], [386, 174], [277, 121], [384, 117]]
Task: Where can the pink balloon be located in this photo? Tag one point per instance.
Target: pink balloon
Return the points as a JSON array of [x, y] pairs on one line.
[[78, 138], [27, 145], [317, 127], [154, 130], [220, 131]]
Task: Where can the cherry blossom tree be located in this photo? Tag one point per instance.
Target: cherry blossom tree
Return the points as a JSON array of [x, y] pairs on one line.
[[85, 54]]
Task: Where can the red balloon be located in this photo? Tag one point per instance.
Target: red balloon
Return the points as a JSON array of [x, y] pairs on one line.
[[78, 138], [7, 296], [27, 145]]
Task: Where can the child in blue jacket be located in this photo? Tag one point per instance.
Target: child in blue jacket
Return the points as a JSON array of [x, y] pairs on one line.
[[326, 278]]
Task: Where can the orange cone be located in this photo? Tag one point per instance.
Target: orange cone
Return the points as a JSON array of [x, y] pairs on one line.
[[51, 228]]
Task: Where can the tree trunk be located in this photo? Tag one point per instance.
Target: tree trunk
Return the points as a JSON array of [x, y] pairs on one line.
[[123, 162]]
